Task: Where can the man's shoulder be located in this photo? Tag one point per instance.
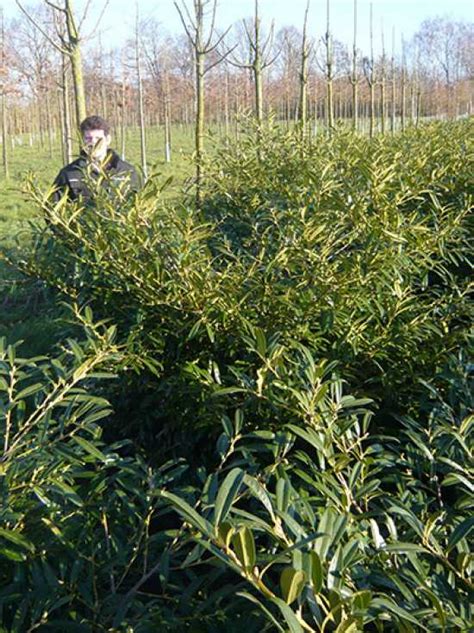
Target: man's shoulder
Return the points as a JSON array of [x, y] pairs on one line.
[[119, 164], [75, 165]]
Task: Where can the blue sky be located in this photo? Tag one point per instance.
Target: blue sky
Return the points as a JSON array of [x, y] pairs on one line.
[[403, 15]]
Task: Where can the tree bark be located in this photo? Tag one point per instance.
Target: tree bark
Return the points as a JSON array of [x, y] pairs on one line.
[[141, 111]]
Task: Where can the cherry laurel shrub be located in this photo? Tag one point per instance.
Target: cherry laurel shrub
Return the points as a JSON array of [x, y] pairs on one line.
[[359, 249], [317, 526]]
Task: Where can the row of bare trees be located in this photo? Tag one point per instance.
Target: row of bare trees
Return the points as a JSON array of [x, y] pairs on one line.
[[51, 75]]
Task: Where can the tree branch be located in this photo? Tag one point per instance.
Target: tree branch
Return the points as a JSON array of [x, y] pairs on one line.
[[61, 49]]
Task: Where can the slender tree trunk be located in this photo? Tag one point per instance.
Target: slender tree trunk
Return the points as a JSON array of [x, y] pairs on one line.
[[329, 75], [4, 135], [226, 103], [257, 73], [382, 87], [39, 115], [166, 117], [66, 113], [141, 111], [403, 101], [49, 123], [3, 98], [393, 94], [372, 77], [382, 105], [200, 113], [354, 78], [303, 96], [123, 114], [76, 63]]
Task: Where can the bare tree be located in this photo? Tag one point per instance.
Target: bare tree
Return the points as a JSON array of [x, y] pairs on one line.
[[157, 61], [382, 75], [260, 57], [37, 64], [306, 48], [202, 43], [329, 70], [370, 75], [403, 86], [68, 42], [354, 78], [3, 94], [393, 103], [287, 42], [141, 113], [447, 46]]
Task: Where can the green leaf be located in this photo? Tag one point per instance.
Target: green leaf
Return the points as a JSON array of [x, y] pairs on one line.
[[282, 494], [461, 531], [292, 582], [68, 492], [385, 604], [188, 513], [243, 545], [361, 600], [227, 494], [18, 557], [28, 391], [317, 573], [225, 391], [17, 538], [349, 625], [455, 478], [260, 492], [401, 548], [89, 448], [267, 612], [289, 615], [309, 436], [440, 610]]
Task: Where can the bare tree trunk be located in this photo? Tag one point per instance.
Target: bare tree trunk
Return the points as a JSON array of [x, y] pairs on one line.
[[49, 125], [123, 113], [199, 130], [167, 117], [141, 113], [354, 78], [372, 77], [226, 102], [392, 77], [257, 68], [303, 96], [403, 89], [202, 46], [76, 62], [103, 87], [329, 71], [66, 113], [4, 135], [3, 99], [382, 87]]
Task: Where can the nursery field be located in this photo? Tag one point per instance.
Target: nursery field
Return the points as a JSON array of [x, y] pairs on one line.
[[253, 408]]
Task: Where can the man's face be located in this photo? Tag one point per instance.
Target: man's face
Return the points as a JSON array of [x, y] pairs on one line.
[[96, 144]]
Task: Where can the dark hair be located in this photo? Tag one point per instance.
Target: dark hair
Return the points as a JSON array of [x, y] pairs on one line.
[[95, 123]]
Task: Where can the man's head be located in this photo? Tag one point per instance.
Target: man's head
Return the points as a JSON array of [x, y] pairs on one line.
[[96, 137]]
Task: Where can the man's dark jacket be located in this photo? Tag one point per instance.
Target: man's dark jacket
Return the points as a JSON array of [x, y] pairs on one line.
[[77, 177]]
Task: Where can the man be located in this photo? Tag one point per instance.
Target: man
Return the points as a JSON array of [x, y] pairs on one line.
[[97, 163]]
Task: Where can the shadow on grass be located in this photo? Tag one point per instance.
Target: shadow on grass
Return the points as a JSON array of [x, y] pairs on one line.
[[29, 312]]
